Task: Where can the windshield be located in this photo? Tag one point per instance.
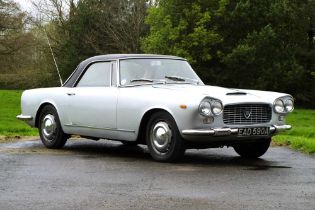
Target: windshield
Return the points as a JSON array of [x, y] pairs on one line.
[[153, 70]]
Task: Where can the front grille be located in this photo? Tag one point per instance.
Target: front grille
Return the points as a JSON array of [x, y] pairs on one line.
[[242, 114]]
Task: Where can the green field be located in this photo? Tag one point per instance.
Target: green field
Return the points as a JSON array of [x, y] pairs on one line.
[[9, 108], [301, 137]]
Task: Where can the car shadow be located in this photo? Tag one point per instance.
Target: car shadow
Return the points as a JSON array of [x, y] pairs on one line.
[[105, 149], [209, 157]]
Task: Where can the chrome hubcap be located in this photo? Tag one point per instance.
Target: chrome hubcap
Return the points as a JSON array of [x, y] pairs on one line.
[[161, 137], [48, 126]]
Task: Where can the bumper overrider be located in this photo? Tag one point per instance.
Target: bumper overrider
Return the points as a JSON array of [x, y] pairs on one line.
[[230, 131]]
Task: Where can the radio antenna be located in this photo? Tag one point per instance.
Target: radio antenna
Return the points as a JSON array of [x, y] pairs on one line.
[[52, 53]]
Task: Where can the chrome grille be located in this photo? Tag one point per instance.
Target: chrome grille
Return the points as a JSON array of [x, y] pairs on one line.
[[242, 114]]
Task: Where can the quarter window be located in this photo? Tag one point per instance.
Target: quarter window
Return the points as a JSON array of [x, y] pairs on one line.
[[97, 75]]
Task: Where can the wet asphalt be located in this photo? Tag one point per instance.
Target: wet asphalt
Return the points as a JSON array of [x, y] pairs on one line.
[[108, 175]]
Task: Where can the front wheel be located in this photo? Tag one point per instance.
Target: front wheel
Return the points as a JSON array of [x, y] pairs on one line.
[[253, 150], [163, 138], [49, 128]]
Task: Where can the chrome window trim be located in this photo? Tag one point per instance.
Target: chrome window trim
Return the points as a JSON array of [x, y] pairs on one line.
[[71, 75], [117, 66], [113, 68]]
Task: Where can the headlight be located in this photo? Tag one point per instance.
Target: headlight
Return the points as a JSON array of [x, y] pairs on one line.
[[279, 106], [210, 106], [289, 105], [205, 108], [216, 107]]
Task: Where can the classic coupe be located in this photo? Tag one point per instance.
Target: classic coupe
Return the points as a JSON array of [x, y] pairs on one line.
[[156, 100]]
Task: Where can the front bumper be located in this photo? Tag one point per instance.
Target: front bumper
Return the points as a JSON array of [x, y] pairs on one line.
[[229, 131], [24, 117]]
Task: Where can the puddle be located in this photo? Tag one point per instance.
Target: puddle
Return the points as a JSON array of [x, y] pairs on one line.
[[264, 168], [20, 144]]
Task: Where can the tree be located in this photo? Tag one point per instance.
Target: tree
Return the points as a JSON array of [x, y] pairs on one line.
[[13, 37], [240, 43], [268, 40], [90, 27], [184, 28]]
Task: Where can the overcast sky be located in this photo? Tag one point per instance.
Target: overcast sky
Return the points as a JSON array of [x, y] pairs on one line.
[[25, 4]]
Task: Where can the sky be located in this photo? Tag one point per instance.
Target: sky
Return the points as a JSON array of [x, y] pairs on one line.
[[26, 5]]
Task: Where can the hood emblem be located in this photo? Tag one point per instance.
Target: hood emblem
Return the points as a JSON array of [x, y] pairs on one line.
[[247, 114]]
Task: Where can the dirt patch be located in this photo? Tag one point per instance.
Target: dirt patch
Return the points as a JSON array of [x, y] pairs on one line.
[[8, 139]]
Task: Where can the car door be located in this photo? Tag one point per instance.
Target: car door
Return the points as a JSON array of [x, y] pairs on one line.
[[92, 102]]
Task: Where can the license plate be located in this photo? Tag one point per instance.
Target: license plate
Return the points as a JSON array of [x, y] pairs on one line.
[[261, 131]]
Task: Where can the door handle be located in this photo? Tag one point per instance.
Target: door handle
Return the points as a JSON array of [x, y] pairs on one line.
[[70, 94]]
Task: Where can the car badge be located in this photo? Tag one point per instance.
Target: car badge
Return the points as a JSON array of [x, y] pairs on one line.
[[247, 114]]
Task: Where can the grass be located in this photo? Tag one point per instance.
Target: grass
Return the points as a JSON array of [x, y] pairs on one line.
[[301, 137], [9, 108]]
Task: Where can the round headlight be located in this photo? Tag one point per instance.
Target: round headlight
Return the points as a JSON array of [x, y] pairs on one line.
[[205, 108], [289, 106], [279, 106], [216, 107]]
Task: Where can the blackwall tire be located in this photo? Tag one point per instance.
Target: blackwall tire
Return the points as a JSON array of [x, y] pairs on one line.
[[50, 131], [253, 150], [163, 138]]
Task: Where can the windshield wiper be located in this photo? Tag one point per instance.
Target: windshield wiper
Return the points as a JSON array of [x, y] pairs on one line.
[[175, 78], [141, 80], [181, 79]]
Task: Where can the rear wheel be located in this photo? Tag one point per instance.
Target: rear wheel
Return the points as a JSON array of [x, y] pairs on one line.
[[253, 150], [50, 130], [163, 138]]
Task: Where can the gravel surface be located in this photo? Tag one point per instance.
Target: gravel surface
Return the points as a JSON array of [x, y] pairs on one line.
[[107, 175]]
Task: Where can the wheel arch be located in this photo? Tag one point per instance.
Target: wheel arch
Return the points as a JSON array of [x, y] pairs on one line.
[[145, 118], [40, 108]]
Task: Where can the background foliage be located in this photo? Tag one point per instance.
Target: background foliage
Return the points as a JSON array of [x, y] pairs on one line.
[[235, 43]]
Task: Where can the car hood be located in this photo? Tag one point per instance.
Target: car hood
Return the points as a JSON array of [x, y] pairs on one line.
[[226, 95]]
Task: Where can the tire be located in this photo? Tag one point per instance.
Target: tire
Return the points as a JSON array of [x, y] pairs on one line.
[[253, 150], [163, 138], [49, 128]]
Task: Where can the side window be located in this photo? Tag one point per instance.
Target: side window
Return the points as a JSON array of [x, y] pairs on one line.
[[97, 75]]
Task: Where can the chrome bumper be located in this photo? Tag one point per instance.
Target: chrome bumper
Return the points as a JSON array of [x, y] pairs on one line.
[[24, 117], [229, 131]]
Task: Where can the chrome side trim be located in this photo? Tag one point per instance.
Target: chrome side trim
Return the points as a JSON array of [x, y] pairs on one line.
[[211, 132], [24, 117], [193, 132], [229, 131], [108, 129]]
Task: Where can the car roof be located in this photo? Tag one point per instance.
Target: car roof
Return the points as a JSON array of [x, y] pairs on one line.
[[126, 56], [82, 66]]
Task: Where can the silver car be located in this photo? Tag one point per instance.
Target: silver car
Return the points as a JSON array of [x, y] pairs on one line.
[[155, 100]]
